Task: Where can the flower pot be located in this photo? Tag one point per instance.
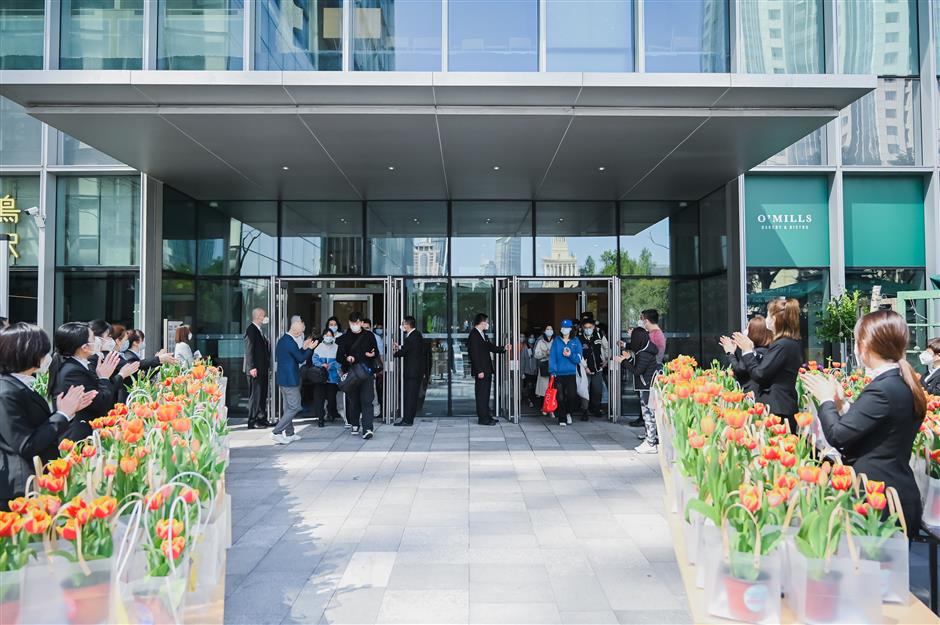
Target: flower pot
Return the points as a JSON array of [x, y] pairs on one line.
[[837, 590], [87, 605], [891, 555], [931, 515], [11, 588], [747, 599], [821, 605]]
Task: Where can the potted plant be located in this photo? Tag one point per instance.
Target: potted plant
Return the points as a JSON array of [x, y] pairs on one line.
[[881, 537], [836, 323]]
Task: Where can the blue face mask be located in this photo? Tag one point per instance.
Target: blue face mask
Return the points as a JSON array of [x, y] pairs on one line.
[[549, 333], [378, 331], [531, 341], [588, 331]]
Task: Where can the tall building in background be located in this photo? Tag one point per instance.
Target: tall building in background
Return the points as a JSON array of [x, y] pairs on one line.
[[508, 256]]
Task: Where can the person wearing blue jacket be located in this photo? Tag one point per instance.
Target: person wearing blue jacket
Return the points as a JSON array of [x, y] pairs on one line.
[[563, 360], [288, 357]]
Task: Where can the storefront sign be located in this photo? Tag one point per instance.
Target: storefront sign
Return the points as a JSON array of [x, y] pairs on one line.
[[10, 214], [884, 221], [787, 221]]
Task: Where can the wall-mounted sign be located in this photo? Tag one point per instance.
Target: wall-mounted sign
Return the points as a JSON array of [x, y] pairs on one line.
[[786, 221], [10, 214], [884, 221]]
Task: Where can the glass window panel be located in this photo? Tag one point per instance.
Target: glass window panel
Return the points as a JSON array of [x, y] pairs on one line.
[[397, 35], [179, 232], [237, 238], [589, 35], [686, 35], [491, 239], [470, 296], [426, 301], [808, 151], [102, 34], [883, 127], [658, 238], [783, 37], [71, 151], [21, 34], [110, 295], [715, 315], [24, 296], [299, 35], [200, 34], [407, 238], [493, 35], [808, 286], [713, 230], [97, 221], [575, 238], [20, 136], [25, 192], [878, 37], [321, 238]]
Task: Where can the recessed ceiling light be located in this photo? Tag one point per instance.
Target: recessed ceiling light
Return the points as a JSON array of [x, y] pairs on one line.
[[495, 167], [601, 168], [285, 167], [561, 219], [391, 168], [488, 220], [683, 204], [342, 220], [213, 204], [416, 220]]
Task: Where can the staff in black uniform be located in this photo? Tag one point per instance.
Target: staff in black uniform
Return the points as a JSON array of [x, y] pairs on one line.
[[257, 366], [135, 352], [481, 366], [876, 434], [930, 358], [411, 351], [28, 427], [761, 337], [776, 372]]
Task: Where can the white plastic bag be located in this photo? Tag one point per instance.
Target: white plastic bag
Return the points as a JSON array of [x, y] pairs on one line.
[[584, 382]]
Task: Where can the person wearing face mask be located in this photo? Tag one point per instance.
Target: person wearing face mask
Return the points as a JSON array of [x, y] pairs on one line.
[[875, 435], [380, 374], [775, 373], [414, 362], [325, 391], [136, 352], [596, 351], [289, 357], [107, 338], [183, 350], [541, 352], [28, 427], [481, 351], [640, 360], [528, 367], [761, 337], [332, 324], [257, 366], [357, 348], [930, 358], [74, 345], [563, 361]]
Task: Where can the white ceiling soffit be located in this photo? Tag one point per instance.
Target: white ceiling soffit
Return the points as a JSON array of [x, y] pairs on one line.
[[230, 135]]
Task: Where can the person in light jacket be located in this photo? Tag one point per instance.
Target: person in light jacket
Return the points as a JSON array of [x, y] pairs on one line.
[[324, 356], [542, 348], [563, 361], [183, 350]]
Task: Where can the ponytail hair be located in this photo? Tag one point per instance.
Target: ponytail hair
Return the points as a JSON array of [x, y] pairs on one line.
[[67, 339], [786, 316], [885, 333]]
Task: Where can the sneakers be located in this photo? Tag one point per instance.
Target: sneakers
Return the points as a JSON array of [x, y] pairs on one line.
[[347, 426], [646, 448], [281, 439], [355, 429], [368, 435], [294, 437], [568, 419]]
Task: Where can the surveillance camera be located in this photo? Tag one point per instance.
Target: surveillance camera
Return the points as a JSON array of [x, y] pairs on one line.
[[33, 211]]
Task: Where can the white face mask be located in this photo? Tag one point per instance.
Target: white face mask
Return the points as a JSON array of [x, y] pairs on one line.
[[97, 343], [328, 340], [355, 328], [549, 333], [44, 363], [926, 357], [107, 345], [485, 326], [333, 328], [190, 335], [566, 331], [858, 357], [588, 331], [265, 321], [769, 322], [141, 350]]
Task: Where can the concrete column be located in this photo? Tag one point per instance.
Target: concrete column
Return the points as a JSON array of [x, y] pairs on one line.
[[836, 236], [737, 260], [45, 271], [151, 260]]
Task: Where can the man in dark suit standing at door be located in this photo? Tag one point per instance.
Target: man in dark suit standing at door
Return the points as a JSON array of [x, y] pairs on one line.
[[257, 367], [481, 366], [411, 352]]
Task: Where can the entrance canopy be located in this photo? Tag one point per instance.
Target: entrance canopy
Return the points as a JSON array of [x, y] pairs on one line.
[[547, 136]]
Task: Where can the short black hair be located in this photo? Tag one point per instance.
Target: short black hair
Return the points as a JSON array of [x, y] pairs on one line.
[[135, 336], [367, 320], [355, 316], [479, 318], [22, 347], [651, 315], [410, 321], [99, 327]]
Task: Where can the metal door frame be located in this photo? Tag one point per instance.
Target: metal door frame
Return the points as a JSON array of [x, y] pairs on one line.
[[393, 387], [506, 377], [393, 290]]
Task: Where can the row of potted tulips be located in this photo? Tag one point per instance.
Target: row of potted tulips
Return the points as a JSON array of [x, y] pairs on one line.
[[131, 524], [766, 516]]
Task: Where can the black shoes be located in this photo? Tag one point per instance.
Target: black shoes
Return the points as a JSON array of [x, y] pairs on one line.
[[637, 423], [258, 424], [490, 422], [402, 424], [321, 422]]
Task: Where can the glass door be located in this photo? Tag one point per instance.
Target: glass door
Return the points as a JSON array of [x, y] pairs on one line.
[[426, 301], [469, 296], [508, 381], [392, 379]]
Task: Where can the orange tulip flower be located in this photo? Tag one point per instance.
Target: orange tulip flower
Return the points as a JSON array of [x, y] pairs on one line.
[[750, 497], [103, 507], [163, 528], [841, 482], [803, 419], [8, 524], [69, 531], [174, 549], [129, 464], [878, 501], [809, 474], [871, 486]]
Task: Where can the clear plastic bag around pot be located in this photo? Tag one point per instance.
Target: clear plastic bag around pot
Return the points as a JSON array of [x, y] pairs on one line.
[[891, 557], [207, 563], [144, 600], [41, 599], [740, 587], [691, 530], [708, 535], [86, 590], [11, 595], [931, 514], [837, 591]]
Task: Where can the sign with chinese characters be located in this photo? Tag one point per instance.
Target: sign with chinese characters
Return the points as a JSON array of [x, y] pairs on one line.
[[10, 214]]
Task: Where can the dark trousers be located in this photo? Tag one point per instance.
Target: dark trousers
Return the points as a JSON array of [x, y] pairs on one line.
[[568, 400], [410, 400], [257, 396], [324, 393], [528, 388], [481, 391], [359, 405], [596, 384]]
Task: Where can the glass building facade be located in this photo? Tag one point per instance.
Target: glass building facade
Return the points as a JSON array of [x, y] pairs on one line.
[[879, 156]]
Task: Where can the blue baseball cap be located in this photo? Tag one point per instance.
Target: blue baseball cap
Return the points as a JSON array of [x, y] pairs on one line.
[[566, 323]]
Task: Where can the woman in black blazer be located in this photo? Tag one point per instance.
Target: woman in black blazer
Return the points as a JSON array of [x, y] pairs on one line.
[[775, 373], [74, 346], [876, 434], [28, 427], [761, 337], [930, 358], [135, 347], [106, 337]]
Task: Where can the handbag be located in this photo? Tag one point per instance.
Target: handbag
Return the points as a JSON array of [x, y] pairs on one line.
[[543, 368], [312, 374], [356, 375], [550, 403]]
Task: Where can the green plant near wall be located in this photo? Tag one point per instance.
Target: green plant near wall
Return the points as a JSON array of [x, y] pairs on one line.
[[837, 320]]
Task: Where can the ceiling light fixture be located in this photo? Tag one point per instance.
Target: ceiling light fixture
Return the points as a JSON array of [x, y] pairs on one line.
[[683, 204], [391, 168], [561, 219], [601, 168], [488, 220], [285, 167], [495, 167]]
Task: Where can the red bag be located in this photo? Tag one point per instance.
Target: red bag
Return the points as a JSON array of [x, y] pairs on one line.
[[550, 404]]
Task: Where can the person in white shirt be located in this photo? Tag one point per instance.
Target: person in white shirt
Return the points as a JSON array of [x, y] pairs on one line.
[[183, 350]]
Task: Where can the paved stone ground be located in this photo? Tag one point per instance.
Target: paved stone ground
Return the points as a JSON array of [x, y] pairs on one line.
[[450, 522]]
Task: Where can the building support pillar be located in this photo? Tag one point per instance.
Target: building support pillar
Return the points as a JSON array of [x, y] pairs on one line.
[[836, 236], [737, 261], [45, 270], [151, 260]]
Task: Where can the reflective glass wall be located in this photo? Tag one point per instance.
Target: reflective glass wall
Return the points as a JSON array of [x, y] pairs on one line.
[[21, 34], [686, 35], [101, 34], [493, 35], [589, 35], [397, 35], [293, 35], [200, 34]]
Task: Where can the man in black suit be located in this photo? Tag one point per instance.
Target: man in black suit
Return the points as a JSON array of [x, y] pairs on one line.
[[481, 366], [411, 352], [257, 367]]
